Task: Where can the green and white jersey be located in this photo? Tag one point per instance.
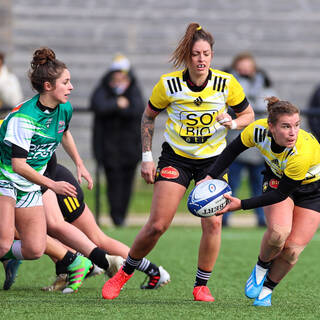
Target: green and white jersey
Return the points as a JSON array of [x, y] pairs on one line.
[[35, 131], [192, 129]]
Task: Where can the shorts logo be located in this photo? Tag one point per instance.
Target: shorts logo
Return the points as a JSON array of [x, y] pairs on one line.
[[265, 186], [273, 183], [169, 173]]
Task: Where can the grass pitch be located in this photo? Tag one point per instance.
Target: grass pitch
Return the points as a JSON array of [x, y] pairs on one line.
[[297, 297]]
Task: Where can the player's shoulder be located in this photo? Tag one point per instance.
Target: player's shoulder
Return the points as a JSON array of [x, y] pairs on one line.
[[224, 74], [173, 74]]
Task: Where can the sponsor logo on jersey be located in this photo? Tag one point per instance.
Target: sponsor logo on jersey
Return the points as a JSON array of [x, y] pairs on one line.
[[61, 126], [169, 173], [274, 183], [198, 101]]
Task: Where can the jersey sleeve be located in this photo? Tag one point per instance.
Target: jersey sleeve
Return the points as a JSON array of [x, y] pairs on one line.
[[298, 166], [247, 136], [20, 131], [236, 94], [159, 99]]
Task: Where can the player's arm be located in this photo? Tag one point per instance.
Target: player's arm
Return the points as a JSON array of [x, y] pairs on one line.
[[71, 148], [148, 169], [21, 167]]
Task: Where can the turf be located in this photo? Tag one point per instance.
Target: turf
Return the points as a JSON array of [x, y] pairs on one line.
[[297, 297]]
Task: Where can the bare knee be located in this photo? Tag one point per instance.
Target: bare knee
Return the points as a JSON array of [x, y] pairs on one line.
[[291, 252], [156, 230], [278, 236], [4, 248], [33, 252], [211, 226]]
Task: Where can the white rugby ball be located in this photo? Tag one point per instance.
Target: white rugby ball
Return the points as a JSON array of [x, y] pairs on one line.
[[207, 198]]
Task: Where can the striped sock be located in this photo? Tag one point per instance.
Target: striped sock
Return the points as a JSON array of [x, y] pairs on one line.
[[202, 277], [130, 265]]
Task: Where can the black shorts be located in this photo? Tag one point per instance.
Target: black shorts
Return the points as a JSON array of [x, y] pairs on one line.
[[306, 195], [175, 168], [71, 208]]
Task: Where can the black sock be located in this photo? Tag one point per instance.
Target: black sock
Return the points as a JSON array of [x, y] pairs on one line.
[[202, 277], [130, 265], [269, 283], [264, 265], [68, 258], [60, 268], [98, 257], [152, 270]]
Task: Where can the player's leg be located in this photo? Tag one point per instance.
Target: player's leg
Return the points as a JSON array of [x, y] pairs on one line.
[[75, 238], [279, 218], [166, 198], [305, 225]]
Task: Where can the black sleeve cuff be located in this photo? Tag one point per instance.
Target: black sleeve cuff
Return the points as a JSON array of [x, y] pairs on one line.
[[18, 152], [153, 107], [241, 106]]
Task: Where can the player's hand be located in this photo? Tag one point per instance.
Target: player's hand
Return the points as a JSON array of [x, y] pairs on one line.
[[64, 188], [82, 172], [233, 205], [205, 179], [225, 120], [148, 171]]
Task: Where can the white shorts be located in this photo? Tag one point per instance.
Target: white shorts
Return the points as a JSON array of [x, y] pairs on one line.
[[23, 199]]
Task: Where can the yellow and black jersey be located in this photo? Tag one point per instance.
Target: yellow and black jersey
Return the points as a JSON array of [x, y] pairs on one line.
[[191, 129], [302, 162]]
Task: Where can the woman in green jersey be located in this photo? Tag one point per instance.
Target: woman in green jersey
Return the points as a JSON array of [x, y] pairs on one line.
[[291, 193], [29, 136]]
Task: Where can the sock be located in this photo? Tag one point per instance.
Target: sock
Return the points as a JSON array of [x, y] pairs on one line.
[[264, 292], [130, 265], [148, 268], [68, 259], [202, 277], [268, 283], [264, 265], [60, 268], [14, 252], [98, 257]]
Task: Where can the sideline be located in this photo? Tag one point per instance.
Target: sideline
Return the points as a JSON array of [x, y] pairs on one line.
[[235, 220]]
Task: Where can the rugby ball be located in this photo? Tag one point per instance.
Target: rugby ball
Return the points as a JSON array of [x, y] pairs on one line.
[[207, 198]]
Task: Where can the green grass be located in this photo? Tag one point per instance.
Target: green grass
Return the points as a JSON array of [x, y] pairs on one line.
[[297, 297]]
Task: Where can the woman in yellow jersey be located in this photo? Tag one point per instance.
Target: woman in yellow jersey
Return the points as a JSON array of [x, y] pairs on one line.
[[196, 100], [291, 193]]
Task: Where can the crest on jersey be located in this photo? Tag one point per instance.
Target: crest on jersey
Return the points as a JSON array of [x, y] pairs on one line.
[[48, 122], [198, 101]]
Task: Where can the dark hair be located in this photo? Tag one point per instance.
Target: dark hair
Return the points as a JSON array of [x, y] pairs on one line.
[[2, 57], [277, 107], [45, 68], [182, 54]]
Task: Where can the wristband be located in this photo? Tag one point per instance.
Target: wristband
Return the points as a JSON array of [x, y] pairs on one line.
[[147, 156], [233, 125]]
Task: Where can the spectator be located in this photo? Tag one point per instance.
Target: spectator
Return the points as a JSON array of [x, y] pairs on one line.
[[118, 106], [256, 85], [314, 119], [10, 90]]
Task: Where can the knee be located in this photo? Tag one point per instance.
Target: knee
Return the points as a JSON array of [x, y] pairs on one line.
[[155, 230], [291, 252], [4, 248], [33, 252], [278, 236], [212, 225]]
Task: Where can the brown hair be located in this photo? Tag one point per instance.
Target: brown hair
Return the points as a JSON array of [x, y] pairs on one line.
[[182, 54], [1, 57], [45, 68], [277, 107], [243, 56]]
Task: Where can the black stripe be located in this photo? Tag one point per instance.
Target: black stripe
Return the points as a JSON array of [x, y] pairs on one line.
[[215, 83], [219, 85], [256, 135], [264, 134], [179, 84], [224, 84], [174, 85], [241, 106], [170, 88]]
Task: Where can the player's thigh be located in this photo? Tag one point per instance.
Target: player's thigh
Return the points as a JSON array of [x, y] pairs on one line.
[[51, 208], [280, 214], [165, 201], [7, 225], [31, 225], [305, 224]]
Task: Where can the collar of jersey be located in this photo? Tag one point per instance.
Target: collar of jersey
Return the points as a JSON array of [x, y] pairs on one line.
[[191, 85], [45, 108]]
